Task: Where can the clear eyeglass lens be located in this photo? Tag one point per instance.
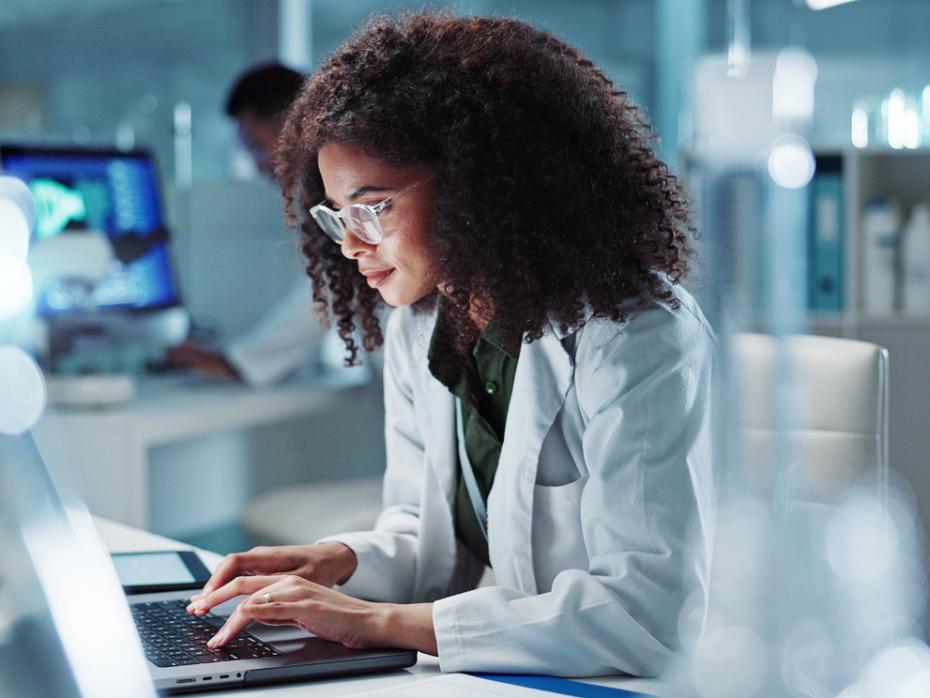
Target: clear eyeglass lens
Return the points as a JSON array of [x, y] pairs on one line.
[[330, 225], [364, 224]]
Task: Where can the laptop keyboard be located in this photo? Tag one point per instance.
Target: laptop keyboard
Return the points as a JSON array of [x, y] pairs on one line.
[[173, 637]]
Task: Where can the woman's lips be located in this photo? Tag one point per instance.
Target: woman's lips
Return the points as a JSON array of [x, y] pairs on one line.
[[375, 279]]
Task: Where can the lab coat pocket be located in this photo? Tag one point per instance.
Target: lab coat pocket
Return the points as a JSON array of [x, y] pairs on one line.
[[558, 543]]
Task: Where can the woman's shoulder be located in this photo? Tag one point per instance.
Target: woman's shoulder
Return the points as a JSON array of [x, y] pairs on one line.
[[654, 328], [657, 340]]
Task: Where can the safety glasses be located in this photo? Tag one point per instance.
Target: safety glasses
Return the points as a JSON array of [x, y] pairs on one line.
[[361, 220]]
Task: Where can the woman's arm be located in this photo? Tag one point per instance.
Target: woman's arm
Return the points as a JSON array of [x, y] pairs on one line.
[[326, 613]]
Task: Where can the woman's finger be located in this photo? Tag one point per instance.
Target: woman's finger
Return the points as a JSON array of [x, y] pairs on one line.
[[234, 625], [268, 612], [240, 586], [230, 567], [280, 595], [260, 560]]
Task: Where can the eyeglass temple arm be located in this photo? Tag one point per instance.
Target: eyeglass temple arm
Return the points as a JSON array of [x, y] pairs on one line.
[[379, 207]]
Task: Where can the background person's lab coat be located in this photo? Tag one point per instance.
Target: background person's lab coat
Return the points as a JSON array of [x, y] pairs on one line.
[[282, 342], [601, 514], [286, 340]]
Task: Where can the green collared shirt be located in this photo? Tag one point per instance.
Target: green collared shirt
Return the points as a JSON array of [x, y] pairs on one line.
[[483, 381]]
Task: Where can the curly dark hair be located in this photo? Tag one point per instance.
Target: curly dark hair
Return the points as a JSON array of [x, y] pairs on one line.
[[550, 202]]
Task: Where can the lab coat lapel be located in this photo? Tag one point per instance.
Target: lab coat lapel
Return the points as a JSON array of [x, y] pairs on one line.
[[443, 453], [437, 532], [542, 379]]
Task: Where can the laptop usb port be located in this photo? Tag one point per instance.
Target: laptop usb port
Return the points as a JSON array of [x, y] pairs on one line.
[[224, 676], [185, 680]]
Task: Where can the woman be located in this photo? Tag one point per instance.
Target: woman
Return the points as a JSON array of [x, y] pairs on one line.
[[547, 381]]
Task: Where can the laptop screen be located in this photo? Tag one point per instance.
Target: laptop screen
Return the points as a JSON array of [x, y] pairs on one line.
[[65, 628]]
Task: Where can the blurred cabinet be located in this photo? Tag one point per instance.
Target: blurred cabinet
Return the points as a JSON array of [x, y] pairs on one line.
[[870, 174]]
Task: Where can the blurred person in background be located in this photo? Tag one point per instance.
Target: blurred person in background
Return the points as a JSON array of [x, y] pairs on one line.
[[281, 342]]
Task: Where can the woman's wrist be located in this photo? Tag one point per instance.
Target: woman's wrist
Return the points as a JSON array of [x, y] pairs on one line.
[[404, 626], [343, 560]]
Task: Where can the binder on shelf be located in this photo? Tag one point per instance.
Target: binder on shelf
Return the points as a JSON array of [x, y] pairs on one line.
[[825, 237]]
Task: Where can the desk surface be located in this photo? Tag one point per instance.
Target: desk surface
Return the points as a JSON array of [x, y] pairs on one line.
[[113, 451], [120, 538], [172, 408]]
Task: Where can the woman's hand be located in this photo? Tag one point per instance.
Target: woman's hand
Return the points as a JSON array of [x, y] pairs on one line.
[[324, 563], [209, 362], [328, 614]]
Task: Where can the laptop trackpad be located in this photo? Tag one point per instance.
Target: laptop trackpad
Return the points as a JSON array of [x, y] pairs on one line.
[[272, 634]]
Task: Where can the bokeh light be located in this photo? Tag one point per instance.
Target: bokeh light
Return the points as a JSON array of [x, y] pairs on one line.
[[730, 662], [793, 85], [15, 286], [17, 217], [22, 391], [14, 231], [791, 162]]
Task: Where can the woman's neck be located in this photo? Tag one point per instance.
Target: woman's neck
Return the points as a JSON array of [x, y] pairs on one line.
[[480, 322], [479, 313]]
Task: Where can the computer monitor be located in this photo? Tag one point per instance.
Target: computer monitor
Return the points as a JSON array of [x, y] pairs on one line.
[[109, 191], [123, 320]]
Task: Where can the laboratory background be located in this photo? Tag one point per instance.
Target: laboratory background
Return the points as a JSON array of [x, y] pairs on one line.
[[801, 129]]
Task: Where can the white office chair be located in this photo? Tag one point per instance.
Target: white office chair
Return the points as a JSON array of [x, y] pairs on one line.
[[836, 420]]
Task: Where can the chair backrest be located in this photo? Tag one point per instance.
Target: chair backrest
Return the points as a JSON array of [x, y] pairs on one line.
[[835, 414]]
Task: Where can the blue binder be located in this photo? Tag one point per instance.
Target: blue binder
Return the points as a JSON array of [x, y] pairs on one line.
[[826, 233], [564, 687]]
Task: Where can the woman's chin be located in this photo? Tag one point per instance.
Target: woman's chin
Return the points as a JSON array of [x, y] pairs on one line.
[[399, 297]]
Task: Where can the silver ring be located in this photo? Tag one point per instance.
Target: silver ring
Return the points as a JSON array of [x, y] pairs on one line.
[[267, 598]]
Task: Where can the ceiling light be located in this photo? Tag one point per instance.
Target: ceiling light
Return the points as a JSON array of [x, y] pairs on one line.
[[825, 4]]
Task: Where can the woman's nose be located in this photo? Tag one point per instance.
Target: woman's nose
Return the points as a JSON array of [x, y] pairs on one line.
[[353, 247]]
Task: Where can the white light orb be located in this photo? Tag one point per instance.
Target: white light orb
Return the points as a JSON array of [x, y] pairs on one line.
[[17, 192], [14, 231], [791, 162], [899, 671], [15, 286], [793, 84], [730, 662], [22, 391]]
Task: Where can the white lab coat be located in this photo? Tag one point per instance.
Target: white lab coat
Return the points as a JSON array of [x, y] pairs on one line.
[[282, 342], [601, 516], [287, 339]]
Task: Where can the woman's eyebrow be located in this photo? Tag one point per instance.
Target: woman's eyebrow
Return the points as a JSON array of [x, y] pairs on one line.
[[368, 189], [361, 191]]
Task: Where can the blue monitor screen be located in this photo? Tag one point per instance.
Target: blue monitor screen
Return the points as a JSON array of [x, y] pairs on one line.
[[108, 191]]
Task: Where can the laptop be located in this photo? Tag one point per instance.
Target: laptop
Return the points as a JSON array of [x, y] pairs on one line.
[[86, 627]]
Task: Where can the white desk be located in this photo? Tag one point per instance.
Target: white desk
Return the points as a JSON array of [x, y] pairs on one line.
[[122, 538], [110, 449]]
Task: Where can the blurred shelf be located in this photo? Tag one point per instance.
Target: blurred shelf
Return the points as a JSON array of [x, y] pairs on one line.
[[845, 324]]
